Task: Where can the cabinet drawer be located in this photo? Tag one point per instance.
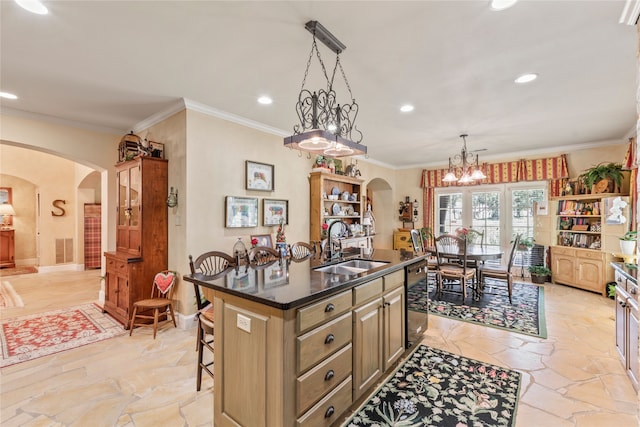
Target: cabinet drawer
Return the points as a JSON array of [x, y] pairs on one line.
[[589, 255], [317, 344], [313, 385], [563, 251], [327, 309], [393, 280], [329, 409], [367, 291]]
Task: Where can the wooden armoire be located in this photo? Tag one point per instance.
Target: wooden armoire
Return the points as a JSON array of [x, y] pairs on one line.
[[141, 234]]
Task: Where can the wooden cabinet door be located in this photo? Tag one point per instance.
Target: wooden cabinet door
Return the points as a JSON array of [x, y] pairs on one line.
[[394, 323], [367, 345], [590, 274], [564, 269], [621, 324], [129, 208], [632, 343]]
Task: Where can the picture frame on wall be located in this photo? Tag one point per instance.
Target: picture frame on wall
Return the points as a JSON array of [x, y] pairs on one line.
[[259, 176], [6, 197], [241, 212], [156, 149], [263, 240], [273, 211]]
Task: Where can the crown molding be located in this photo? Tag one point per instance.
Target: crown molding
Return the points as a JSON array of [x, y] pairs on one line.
[[630, 13]]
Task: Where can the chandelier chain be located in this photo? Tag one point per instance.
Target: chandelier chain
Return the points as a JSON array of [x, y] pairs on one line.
[[314, 46], [344, 76]]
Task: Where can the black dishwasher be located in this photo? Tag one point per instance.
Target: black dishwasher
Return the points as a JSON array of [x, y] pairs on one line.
[[416, 321]]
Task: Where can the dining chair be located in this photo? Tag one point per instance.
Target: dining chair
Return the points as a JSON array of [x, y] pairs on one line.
[[210, 265], [159, 303], [447, 248], [302, 250], [500, 272], [262, 255], [475, 237], [416, 240]]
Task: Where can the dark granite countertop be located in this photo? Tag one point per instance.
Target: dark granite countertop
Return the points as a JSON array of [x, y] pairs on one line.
[[629, 270], [290, 284]]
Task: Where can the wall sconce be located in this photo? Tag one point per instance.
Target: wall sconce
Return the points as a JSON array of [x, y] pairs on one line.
[[172, 200]]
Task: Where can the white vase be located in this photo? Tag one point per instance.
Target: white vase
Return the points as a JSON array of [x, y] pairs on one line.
[[628, 247]]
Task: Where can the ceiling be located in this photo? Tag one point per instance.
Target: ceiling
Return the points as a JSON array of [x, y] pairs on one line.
[[113, 64]]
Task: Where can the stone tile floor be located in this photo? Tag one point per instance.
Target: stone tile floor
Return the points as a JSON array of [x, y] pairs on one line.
[[572, 378]]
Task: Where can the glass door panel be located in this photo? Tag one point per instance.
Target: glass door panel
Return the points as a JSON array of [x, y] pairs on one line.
[[449, 213], [485, 208]]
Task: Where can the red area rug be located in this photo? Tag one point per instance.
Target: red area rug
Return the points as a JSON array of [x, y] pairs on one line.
[[29, 337], [27, 269]]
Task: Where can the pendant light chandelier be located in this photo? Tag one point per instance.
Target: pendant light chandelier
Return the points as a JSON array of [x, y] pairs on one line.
[[326, 127], [461, 166]]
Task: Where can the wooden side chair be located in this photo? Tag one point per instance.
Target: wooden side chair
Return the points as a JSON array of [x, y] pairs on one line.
[[447, 246], [500, 272], [475, 237], [210, 265], [160, 302], [263, 255], [301, 250]]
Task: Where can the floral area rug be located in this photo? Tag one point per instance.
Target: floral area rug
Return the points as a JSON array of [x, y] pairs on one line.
[[37, 335], [525, 315], [437, 388], [16, 271]]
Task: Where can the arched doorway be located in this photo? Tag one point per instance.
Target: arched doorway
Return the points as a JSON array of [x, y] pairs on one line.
[[379, 195]]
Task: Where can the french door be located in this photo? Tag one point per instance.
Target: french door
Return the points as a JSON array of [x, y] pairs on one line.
[[500, 211]]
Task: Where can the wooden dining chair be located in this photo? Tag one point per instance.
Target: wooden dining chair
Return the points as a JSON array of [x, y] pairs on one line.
[[500, 272], [302, 250], [475, 237], [416, 240], [159, 303], [448, 247], [262, 255]]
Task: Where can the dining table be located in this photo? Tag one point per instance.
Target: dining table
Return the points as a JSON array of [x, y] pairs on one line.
[[475, 253]]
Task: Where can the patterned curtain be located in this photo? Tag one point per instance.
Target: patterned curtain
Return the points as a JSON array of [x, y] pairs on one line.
[[553, 169]]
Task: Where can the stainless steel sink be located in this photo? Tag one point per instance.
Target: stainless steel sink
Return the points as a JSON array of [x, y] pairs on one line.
[[352, 267]]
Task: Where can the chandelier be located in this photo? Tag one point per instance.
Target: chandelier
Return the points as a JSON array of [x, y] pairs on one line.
[[461, 166], [326, 127]]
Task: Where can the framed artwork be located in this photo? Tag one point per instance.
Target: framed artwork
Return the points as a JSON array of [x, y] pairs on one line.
[[274, 210], [263, 240], [258, 176], [241, 212], [156, 149]]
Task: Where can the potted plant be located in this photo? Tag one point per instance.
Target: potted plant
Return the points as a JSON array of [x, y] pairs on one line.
[[628, 242], [610, 173], [539, 273], [525, 243]]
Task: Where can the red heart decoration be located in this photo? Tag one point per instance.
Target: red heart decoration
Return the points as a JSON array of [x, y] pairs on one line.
[[164, 281]]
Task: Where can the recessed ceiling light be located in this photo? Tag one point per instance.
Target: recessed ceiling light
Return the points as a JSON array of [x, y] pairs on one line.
[[502, 4], [406, 108], [33, 6], [526, 78], [8, 95], [265, 100]]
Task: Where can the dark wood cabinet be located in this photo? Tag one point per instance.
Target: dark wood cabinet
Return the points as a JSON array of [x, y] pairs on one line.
[[7, 249], [141, 235]]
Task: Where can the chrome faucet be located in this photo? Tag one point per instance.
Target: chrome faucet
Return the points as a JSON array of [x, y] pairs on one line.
[[329, 247]]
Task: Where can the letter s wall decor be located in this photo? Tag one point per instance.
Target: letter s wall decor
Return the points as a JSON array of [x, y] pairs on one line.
[[56, 204]]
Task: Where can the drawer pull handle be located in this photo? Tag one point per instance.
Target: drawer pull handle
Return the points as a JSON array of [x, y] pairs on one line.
[[329, 412], [329, 339], [329, 375], [329, 308]]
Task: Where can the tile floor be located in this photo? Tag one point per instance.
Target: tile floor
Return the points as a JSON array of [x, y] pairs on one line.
[[572, 378]]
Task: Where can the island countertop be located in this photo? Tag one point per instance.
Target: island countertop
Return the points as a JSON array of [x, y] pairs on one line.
[[288, 284]]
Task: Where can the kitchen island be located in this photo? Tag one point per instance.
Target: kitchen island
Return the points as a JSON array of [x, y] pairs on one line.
[[296, 346]]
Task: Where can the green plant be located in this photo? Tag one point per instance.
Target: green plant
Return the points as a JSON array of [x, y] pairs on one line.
[[539, 270], [631, 235], [610, 171], [525, 242], [611, 289]]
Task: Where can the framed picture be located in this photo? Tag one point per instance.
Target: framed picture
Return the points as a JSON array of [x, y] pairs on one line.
[[274, 210], [157, 149], [259, 176], [5, 197], [263, 239], [241, 212]]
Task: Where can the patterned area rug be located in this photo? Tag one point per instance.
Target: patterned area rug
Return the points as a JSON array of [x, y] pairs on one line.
[[437, 388], [37, 335], [27, 269], [9, 298], [525, 315]]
